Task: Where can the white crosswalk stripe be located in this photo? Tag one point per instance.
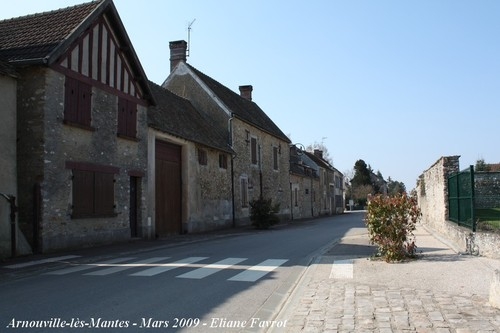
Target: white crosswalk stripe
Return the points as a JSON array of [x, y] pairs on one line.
[[342, 269], [167, 267], [156, 265], [40, 262], [84, 267], [202, 272], [122, 267], [256, 272]]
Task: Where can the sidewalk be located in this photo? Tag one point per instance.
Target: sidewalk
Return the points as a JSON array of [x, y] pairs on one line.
[[345, 291]]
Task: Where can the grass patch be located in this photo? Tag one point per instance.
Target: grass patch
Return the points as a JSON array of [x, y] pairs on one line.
[[488, 219]]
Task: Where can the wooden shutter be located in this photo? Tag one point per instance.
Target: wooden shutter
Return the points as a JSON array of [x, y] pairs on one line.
[[71, 100], [83, 193], [131, 119], [275, 158], [84, 103], [122, 116], [104, 194], [254, 150]]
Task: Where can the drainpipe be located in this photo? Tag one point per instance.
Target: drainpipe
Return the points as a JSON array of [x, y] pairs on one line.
[[260, 174], [13, 209], [233, 156]]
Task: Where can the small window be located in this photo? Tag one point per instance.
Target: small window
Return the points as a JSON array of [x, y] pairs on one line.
[[244, 192], [253, 150], [77, 103], [275, 158], [93, 192], [202, 157], [127, 118], [223, 161]]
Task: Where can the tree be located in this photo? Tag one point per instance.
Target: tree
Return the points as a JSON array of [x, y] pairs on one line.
[[482, 166], [320, 146], [394, 187], [361, 174]]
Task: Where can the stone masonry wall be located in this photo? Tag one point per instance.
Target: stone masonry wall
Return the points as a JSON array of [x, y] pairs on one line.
[[59, 143], [432, 193]]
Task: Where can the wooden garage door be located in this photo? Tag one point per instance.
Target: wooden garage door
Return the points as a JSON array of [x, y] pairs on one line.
[[168, 189]]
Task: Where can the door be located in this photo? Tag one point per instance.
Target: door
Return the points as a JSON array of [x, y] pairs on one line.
[[168, 189], [134, 183]]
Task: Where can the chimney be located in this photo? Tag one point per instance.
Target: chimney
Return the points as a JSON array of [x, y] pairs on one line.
[[246, 92], [318, 153], [177, 53]]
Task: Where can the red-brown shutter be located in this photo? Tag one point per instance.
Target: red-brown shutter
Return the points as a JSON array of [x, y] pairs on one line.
[[122, 116], [70, 100], [104, 194], [131, 119], [254, 150], [83, 193], [84, 103]]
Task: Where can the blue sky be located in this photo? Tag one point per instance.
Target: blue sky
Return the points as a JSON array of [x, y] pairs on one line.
[[395, 83]]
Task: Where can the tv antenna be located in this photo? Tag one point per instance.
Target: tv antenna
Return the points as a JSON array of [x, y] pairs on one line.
[[189, 37]]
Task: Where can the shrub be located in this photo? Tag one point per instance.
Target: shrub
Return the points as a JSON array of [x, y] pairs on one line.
[[391, 222], [263, 213]]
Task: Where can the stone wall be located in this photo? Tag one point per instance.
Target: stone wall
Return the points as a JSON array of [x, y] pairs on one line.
[[8, 167], [432, 193], [275, 184], [47, 145]]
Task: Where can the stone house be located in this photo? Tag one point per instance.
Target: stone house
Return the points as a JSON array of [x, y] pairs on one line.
[[304, 184], [82, 135], [330, 195], [260, 164], [193, 158]]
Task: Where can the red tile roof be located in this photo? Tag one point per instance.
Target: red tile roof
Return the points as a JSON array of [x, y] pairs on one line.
[[34, 37]]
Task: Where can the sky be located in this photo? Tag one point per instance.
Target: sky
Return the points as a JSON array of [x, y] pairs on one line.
[[397, 84]]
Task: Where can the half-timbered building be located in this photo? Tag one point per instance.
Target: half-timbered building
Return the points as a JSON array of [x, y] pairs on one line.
[[82, 98]]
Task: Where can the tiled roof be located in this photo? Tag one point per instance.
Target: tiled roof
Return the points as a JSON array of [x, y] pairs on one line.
[[319, 161], [177, 116], [34, 37], [242, 107]]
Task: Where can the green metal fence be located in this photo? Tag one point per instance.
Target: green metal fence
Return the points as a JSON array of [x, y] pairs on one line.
[[487, 201], [474, 199], [461, 198]]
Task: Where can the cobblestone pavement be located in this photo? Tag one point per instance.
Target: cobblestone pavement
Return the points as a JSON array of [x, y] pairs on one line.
[[440, 292]]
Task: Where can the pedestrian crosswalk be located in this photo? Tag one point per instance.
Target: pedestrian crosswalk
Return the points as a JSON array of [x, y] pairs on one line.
[[197, 267]]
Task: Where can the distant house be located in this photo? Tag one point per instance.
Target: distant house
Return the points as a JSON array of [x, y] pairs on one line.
[[189, 173], [82, 97], [260, 164], [331, 191], [304, 183]]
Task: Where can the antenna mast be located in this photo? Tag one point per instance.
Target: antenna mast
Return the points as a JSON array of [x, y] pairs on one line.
[[189, 37]]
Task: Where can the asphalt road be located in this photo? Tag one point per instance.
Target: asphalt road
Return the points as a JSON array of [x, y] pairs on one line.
[[222, 284]]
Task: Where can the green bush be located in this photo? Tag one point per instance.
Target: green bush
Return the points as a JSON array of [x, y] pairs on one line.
[[263, 213], [391, 222]]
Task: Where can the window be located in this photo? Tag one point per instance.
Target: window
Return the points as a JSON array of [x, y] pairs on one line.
[[244, 192], [253, 150], [202, 157], [275, 158], [127, 118], [77, 103], [223, 161], [93, 190]]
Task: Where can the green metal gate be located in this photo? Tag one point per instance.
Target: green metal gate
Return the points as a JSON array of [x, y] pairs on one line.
[[461, 198]]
